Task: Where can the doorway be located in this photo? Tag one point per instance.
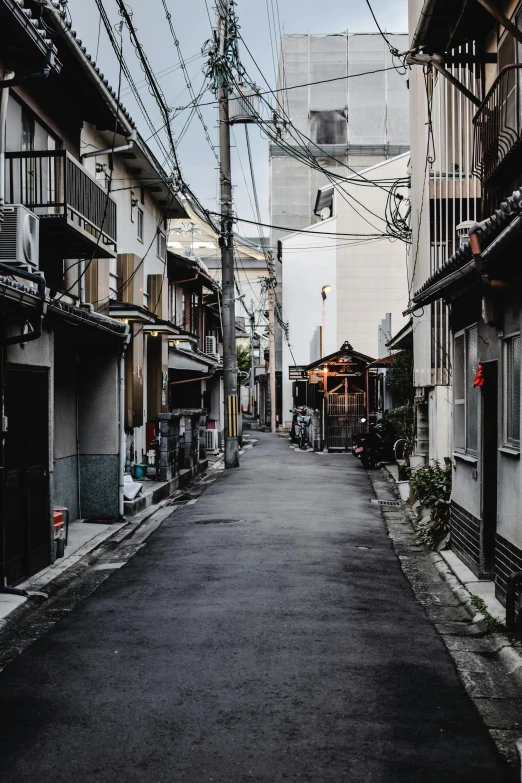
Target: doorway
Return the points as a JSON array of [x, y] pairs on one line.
[[489, 464], [26, 534]]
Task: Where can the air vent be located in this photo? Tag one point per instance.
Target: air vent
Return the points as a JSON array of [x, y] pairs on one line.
[[211, 346]]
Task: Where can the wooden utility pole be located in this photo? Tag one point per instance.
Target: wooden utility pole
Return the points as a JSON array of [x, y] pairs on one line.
[[251, 407], [227, 254], [271, 340]]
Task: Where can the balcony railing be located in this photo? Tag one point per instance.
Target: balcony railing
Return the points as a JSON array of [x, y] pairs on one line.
[[498, 126], [54, 185]]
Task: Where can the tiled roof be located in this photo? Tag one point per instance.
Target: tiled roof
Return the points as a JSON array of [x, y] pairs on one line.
[[488, 231]]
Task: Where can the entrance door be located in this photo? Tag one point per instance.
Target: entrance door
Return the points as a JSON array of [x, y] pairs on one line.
[[27, 530], [344, 419], [489, 469]]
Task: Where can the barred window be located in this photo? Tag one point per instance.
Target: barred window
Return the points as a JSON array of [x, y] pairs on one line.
[[465, 396], [512, 391]]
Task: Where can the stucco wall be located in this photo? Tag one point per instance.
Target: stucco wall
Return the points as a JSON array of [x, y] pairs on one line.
[[371, 276], [309, 264]]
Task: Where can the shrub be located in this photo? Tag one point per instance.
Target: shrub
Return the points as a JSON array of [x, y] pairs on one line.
[[432, 488]]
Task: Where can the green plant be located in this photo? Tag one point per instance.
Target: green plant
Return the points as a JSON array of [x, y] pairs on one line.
[[404, 420], [432, 488], [244, 358], [492, 624]]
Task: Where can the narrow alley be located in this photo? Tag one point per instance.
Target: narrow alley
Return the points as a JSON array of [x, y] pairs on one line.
[[265, 633]]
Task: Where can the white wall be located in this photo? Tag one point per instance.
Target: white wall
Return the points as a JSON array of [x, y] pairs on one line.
[[371, 276], [308, 265]]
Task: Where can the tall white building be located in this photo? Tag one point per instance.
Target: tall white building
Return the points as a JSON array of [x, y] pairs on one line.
[[350, 114], [366, 278]]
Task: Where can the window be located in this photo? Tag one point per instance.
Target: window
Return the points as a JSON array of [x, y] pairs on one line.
[[512, 392], [328, 127], [139, 221], [133, 204], [465, 396], [27, 131], [161, 245]]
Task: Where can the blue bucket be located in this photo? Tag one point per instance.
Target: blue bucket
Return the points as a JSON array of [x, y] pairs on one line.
[[140, 470]]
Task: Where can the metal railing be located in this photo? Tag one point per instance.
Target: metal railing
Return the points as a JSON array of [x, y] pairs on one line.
[[497, 123], [53, 183]]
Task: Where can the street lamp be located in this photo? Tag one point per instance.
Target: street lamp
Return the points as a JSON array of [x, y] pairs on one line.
[[324, 290]]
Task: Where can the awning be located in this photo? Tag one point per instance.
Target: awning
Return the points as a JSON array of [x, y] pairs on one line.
[[403, 338], [187, 360]]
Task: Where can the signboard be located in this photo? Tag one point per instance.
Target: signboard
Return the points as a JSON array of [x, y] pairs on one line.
[[296, 373]]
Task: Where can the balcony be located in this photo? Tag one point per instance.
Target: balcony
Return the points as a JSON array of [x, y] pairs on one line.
[[77, 219], [498, 128]]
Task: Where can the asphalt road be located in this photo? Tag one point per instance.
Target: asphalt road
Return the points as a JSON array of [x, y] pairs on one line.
[[266, 633]]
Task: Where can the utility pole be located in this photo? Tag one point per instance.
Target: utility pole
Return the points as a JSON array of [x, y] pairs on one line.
[[226, 242], [271, 338], [251, 407]]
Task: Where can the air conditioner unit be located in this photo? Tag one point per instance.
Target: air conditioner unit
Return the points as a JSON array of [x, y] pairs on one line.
[[211, 346], [212, 441], [19, 237]]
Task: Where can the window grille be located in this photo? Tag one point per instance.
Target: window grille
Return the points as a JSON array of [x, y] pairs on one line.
[[512, 391], [466, 397]]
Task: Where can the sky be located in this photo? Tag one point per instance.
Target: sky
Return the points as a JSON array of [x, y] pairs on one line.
[[192, 25]]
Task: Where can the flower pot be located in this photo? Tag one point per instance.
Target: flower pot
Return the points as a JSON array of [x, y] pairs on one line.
[[417, 461], [404, 490]]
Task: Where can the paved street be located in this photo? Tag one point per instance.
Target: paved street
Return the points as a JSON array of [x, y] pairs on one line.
[[283, 643]]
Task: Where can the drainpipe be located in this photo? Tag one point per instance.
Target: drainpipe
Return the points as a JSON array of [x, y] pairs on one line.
[[78, 469], [480, 262], [123, 443], [4, 99], [131, 138]]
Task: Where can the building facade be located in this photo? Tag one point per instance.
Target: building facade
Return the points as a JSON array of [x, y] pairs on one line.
[[337, 290], [340, 125], [473, 287], [109, 344]]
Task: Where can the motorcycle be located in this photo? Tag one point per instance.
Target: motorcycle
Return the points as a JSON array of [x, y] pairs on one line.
[[376, 444], [299, 429]]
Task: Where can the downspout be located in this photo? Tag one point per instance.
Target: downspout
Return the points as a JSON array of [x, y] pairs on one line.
[[481, 263], [78, 471], [4, 99], [123, 443]]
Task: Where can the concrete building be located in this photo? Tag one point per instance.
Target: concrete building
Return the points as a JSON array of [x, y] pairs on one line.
[[366, 278], [103, 335], [340, 125], [61, 361], [474, 173]]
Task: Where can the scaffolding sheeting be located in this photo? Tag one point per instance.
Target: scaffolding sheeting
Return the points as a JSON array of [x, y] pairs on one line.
[[359, 121]]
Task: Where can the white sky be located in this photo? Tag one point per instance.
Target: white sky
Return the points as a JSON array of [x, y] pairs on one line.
[[192, 26]]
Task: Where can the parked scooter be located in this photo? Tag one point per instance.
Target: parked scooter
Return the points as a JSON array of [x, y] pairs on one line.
[[299, 429], [376, 444]]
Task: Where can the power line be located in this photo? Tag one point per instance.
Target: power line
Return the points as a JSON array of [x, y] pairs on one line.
[[109, 183], [256, 93]]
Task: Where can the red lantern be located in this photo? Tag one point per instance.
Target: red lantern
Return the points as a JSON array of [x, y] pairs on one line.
[[479, 377]]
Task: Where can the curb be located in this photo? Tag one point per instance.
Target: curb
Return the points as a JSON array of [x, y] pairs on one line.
[[508, 655]]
